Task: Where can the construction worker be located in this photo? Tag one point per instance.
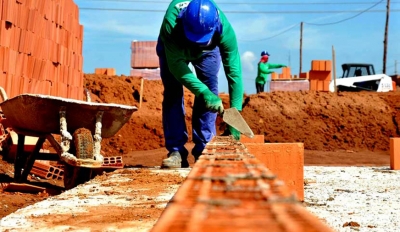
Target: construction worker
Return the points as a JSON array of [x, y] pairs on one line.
[[198, 32], [263, 71]]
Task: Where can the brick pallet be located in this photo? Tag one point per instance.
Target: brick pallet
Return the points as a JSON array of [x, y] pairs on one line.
[[228, 189]]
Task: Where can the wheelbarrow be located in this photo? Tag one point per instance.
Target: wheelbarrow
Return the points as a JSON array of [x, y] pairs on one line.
[[80, 124]]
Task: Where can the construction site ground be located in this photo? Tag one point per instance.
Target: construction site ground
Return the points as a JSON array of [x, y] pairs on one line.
[[346, 129]]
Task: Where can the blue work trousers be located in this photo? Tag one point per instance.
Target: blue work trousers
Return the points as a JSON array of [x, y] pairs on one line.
[[173, 110]]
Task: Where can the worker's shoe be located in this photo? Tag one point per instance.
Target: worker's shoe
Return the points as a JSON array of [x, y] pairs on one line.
[[176, 159], [196, 152]]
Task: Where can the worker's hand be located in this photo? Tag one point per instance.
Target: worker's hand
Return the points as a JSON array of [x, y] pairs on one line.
[[235, 133], [213, 102]]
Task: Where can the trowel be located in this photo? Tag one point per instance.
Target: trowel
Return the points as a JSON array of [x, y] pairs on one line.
[[232, 117]]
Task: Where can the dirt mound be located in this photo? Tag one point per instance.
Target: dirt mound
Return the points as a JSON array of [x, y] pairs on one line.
[[323, 121], [144, 129]]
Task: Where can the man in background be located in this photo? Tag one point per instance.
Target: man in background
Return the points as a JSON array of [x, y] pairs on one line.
[[264, 68]]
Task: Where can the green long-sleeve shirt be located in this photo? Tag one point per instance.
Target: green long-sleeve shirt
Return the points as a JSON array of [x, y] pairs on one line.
[[179, 51], [264, 70]]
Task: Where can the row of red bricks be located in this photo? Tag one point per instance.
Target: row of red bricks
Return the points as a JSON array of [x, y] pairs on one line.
[[41, 48], [229, 189], [321, 65], [67, 51], [29, 14], [319, 85], [14, 86], [23, 65]]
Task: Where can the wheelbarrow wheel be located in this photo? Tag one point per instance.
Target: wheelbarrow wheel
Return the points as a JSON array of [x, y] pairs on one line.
[[83, 141], [74, 176], [82, 147]]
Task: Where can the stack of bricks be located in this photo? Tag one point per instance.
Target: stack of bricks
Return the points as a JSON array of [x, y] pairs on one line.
[[46, 171], [105, 71], [144, 60], [285, 82], [41, 48], [228, 189], [320, 75], [284, 75]]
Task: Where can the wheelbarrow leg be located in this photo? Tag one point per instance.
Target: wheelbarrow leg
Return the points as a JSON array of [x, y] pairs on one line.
[[31, 159], [97, 137], [66, 138], [20, 158]]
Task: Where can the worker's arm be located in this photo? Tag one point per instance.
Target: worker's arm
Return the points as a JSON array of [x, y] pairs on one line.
[[272, 66], [263, 68], [231, 62]]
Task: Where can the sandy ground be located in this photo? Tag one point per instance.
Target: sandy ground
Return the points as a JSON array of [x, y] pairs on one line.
[[354, 198], [125, 200], [150, 159], [336, 129]]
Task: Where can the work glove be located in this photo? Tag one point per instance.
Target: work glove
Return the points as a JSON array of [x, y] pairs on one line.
[[213, 102], [235, 133], [231, 131]]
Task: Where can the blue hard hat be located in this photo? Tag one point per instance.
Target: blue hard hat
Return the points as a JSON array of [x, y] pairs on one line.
[[264, 53], [200, 21]]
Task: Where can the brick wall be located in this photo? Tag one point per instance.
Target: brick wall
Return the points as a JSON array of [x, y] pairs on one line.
[[320, 75], [41, 48], [295, 85]]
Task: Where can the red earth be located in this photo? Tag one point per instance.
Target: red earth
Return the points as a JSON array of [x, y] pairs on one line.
[[336, 129]]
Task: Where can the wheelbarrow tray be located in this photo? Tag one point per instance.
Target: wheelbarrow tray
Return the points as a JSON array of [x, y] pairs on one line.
[[36, 114]]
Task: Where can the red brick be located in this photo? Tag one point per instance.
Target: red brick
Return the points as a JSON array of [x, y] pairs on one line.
[[286, 160], [395, 153], [255, 139]]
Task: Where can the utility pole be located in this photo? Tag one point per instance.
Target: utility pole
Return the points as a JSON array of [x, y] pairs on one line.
[[301, 47], [385, 41], [289, 60], [395, 67], [334, 68]]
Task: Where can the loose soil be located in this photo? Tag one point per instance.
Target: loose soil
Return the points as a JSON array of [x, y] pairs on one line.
[[337, 129]]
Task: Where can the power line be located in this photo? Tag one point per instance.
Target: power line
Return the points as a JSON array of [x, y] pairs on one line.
[[267, 38], [352, 17], [249, 12], [317, 24], [250, 3]]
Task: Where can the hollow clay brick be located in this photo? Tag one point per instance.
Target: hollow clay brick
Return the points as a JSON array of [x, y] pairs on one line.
[[286, 160], [255, 139], [395, 153]]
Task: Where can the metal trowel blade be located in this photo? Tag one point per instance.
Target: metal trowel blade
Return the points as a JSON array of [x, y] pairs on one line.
[[232, 117]]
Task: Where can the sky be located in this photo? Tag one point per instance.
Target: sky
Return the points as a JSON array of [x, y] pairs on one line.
[[355, 28]]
